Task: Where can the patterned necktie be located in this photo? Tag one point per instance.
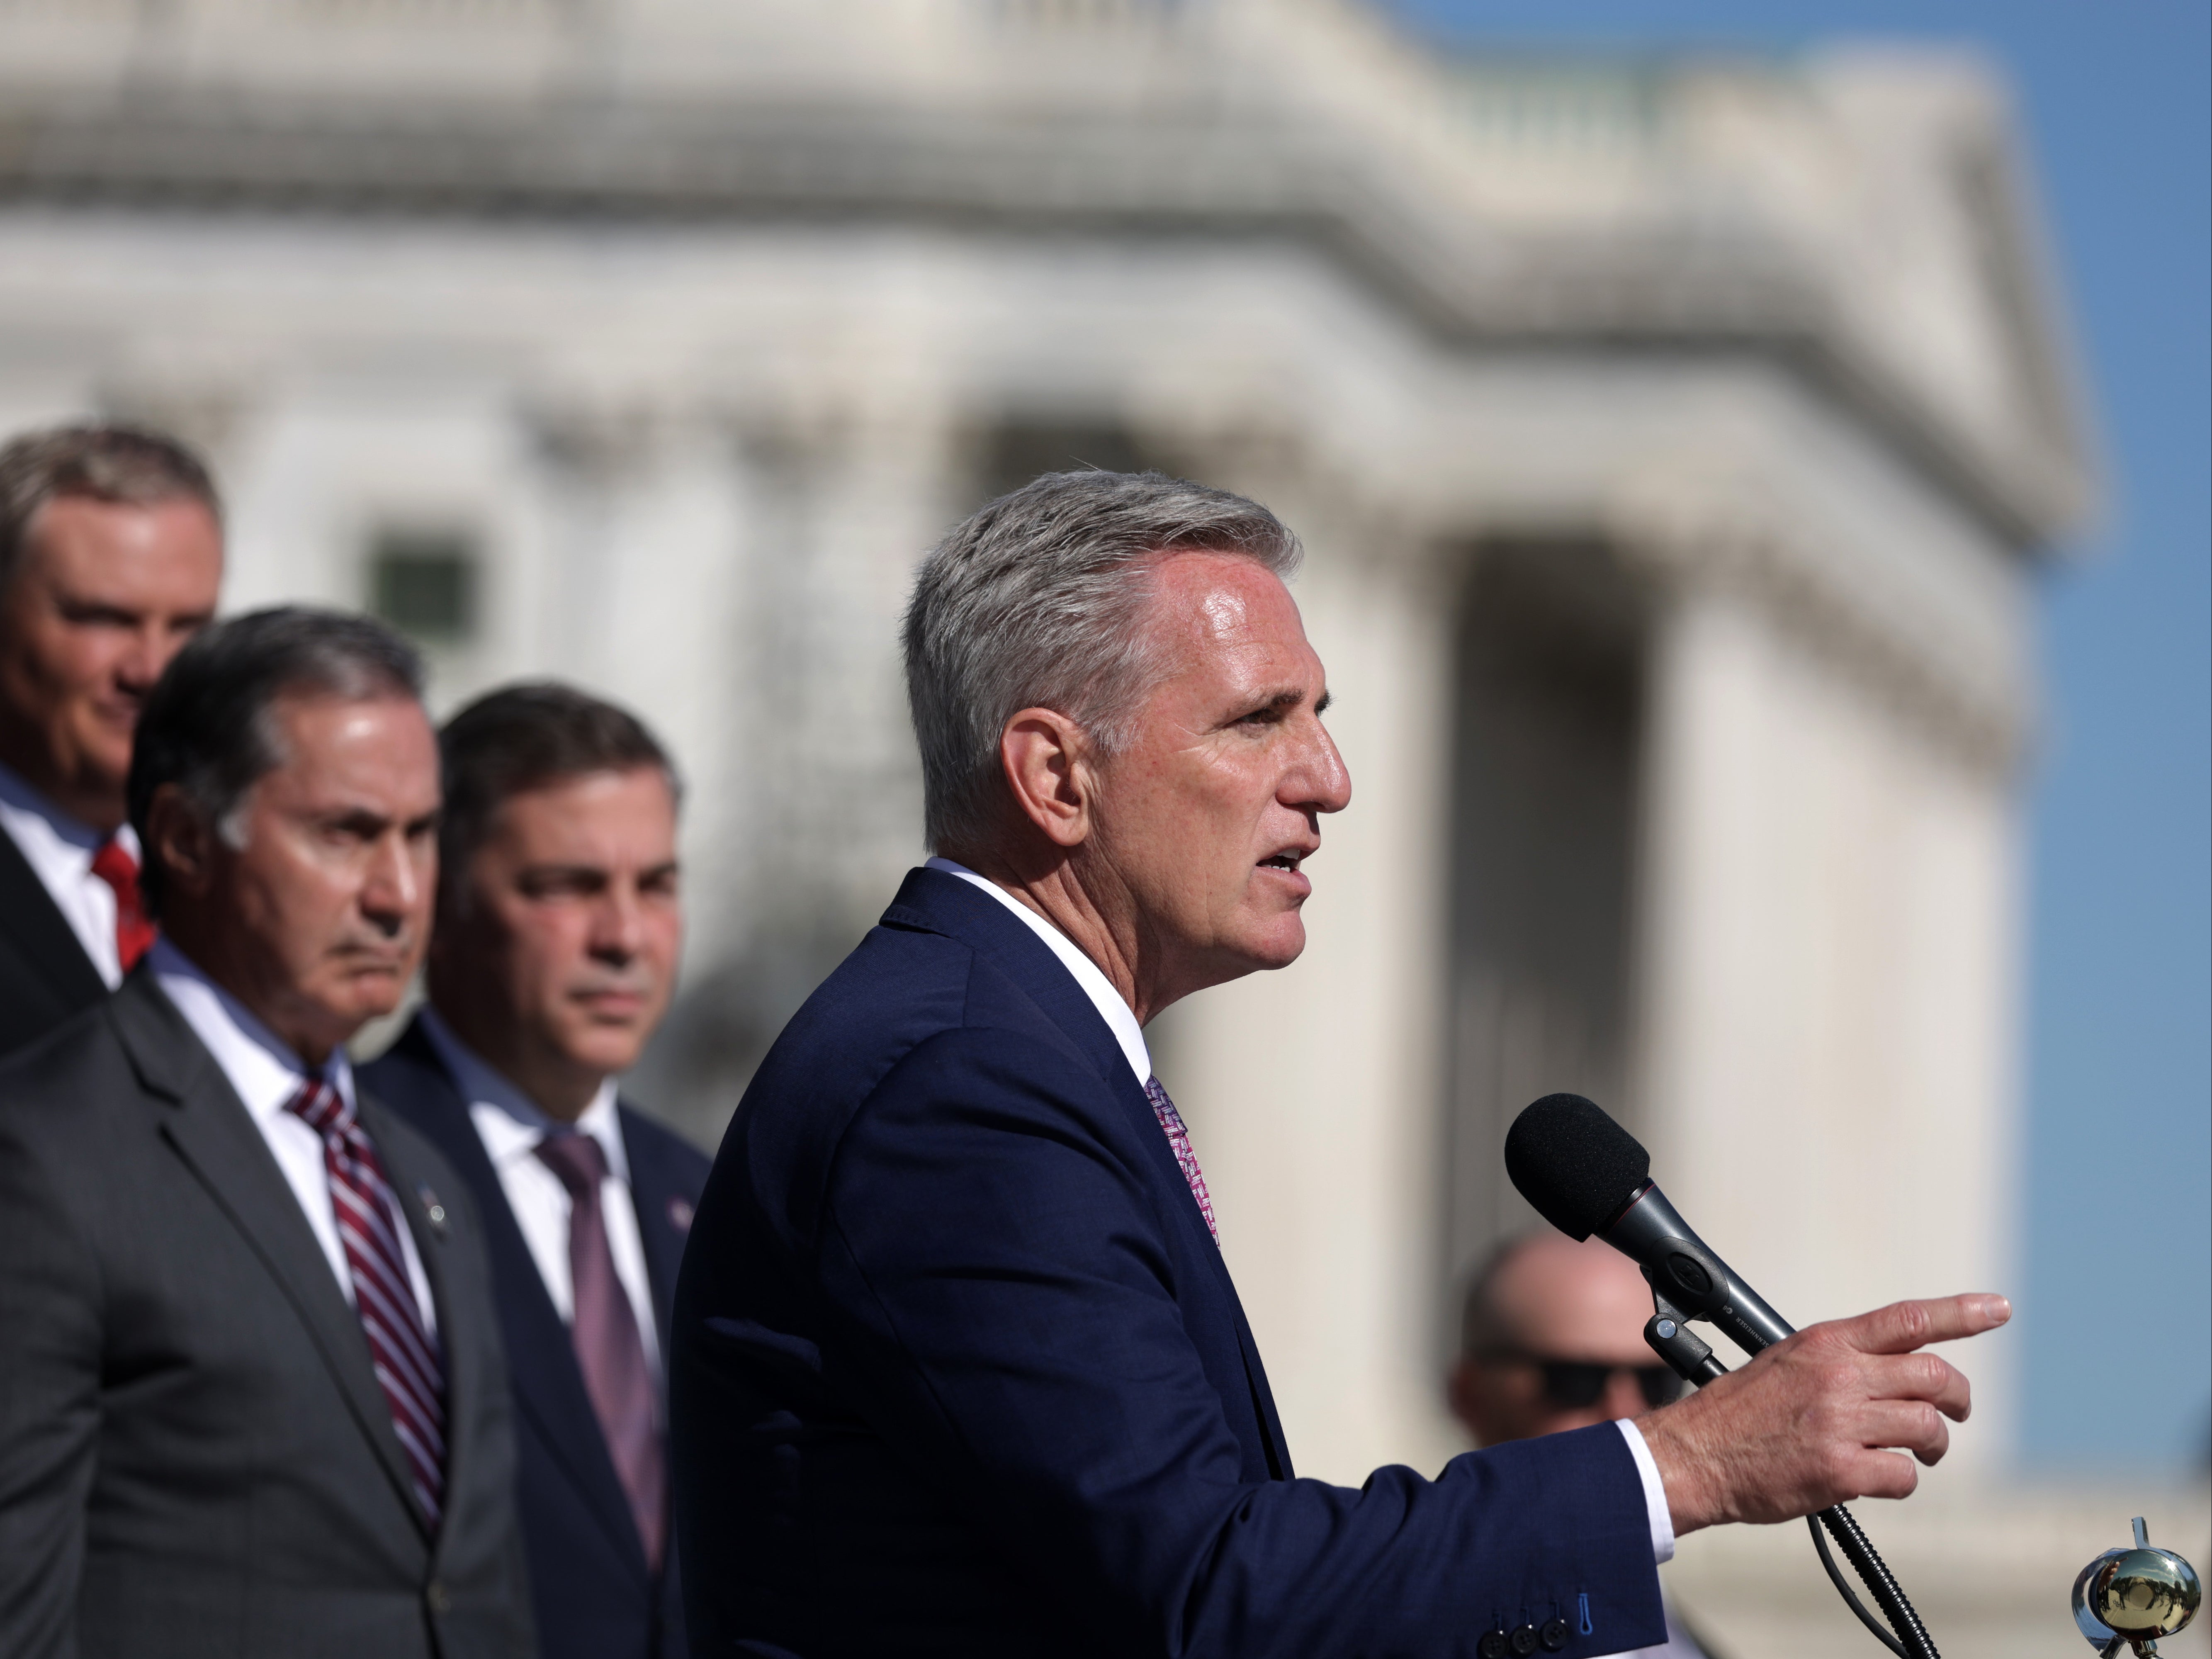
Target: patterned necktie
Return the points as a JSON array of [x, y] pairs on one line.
[[404, 1355], [608, 1347], [134, 933], [1179, 1141]]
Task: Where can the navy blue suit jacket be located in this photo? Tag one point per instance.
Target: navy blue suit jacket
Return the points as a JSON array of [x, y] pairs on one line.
[[958, 1369], [594, 1595]]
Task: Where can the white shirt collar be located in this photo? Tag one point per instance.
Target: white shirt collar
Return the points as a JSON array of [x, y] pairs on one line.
[[509, 1121], [262, 1069], [18, 795], [1121, 1019]]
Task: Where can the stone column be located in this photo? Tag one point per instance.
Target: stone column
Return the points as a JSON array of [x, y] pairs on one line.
[[1827, 982]]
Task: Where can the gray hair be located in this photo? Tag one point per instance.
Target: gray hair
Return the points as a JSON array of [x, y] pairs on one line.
[[1034, 601], [131, 465], [207, 727]]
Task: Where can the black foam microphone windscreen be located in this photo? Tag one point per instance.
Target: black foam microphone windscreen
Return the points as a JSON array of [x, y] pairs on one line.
[[1574, 1163]]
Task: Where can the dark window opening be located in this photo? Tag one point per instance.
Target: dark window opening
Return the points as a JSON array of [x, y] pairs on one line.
[[425, 584], [1549, 727]]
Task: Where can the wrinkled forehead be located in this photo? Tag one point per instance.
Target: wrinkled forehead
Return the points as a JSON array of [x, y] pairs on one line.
[[1209, 604], [327, 740]]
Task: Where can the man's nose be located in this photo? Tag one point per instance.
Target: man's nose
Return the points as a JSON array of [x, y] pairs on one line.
[[617, 927], [1624, 1396], [1320, 782], [144, 659], [395, 886]]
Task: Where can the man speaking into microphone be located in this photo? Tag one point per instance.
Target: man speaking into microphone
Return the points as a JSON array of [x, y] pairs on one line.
[[957, 1367]]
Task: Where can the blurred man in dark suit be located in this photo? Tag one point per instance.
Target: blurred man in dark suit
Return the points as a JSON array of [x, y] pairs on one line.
[[252, 1400], [558, 931], [1551, 1339], [111, 552], [958, 1368]]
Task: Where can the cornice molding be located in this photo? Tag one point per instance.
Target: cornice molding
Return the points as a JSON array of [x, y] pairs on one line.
[[1688, 258]]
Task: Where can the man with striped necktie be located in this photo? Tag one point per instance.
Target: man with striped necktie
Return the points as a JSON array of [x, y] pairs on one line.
[[957, 1366], [251, 1397]]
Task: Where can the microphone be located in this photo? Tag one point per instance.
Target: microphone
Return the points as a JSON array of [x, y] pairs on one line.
[[1585, 1174]]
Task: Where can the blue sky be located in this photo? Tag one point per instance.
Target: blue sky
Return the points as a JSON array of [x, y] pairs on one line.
[[2117, 113]]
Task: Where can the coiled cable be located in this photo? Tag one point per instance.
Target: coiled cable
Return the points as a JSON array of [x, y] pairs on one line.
[[1911, 1640]]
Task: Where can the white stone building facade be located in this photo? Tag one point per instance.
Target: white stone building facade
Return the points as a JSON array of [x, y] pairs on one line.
[[1673, 441]]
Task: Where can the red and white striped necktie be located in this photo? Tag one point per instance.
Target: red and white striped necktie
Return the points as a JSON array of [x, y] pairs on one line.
[[404, 1355], [1179, 1143]]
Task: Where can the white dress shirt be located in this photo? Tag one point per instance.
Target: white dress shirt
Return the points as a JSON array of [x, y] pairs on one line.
[[1121, 1020], [266, 1075], [59, 851], [511, 1125]]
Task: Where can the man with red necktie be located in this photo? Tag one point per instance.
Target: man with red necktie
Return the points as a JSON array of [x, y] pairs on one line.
[[958, 1365], [111, 554], [253, 1403]]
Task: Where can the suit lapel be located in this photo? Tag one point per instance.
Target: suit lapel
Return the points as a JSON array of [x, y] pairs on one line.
[[547, 1383], [659, 1202], [210, 1129], [944, 903], [41, 933]]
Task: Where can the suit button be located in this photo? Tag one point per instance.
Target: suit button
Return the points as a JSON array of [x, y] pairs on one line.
[[435, 1598], [1524, 1640], [1494, 1645], [1553, 1636]]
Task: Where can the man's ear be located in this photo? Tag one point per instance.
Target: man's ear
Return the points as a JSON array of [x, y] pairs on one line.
[[182, 840], [1048, 762]]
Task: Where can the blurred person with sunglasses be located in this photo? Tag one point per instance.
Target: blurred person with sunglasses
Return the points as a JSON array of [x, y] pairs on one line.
[[1552, 1339]]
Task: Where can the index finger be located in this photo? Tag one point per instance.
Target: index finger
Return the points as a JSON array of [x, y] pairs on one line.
[[1903, 1326]]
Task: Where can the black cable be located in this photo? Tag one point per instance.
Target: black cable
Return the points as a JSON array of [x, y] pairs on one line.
[[1876, 1575], [1694, 1363]]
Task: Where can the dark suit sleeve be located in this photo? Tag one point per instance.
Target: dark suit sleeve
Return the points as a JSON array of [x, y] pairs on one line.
[[1001, 1302], [50, 1362]]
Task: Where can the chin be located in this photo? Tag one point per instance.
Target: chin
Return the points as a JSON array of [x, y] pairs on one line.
[[600, 1052], [371, 998], [1278, 945]]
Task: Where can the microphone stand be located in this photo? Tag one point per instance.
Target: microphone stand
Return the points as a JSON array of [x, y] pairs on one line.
[[1692, 1359]]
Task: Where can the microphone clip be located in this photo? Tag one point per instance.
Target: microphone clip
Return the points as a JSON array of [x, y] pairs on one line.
[[1668, 1331]]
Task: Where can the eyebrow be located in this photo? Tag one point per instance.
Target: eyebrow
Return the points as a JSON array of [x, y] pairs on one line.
[[1286, 700]]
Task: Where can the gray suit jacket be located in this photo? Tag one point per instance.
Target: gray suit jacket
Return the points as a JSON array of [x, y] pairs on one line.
[[195, 1458]]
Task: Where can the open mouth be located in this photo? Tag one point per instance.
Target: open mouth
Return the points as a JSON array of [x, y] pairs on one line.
[[1289, 861]]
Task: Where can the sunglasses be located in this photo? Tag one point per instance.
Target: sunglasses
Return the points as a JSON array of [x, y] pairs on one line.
[[1576, 1385]]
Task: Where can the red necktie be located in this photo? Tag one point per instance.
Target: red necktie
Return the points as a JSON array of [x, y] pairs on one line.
[[404, 1355], [134, 933], [609, 1350]]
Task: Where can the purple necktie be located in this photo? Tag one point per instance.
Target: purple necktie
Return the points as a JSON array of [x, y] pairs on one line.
[[608, 1346], [1179, 1142], [402, 1354]]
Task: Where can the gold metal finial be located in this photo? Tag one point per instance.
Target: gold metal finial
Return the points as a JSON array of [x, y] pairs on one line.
[[2132, 1597]]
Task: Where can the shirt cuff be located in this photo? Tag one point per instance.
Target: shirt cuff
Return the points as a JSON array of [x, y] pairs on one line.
[[1655, 1494]]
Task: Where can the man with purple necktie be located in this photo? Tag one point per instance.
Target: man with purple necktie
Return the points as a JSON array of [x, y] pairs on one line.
[[252, 1400], [559, 925], [958, 1369]]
